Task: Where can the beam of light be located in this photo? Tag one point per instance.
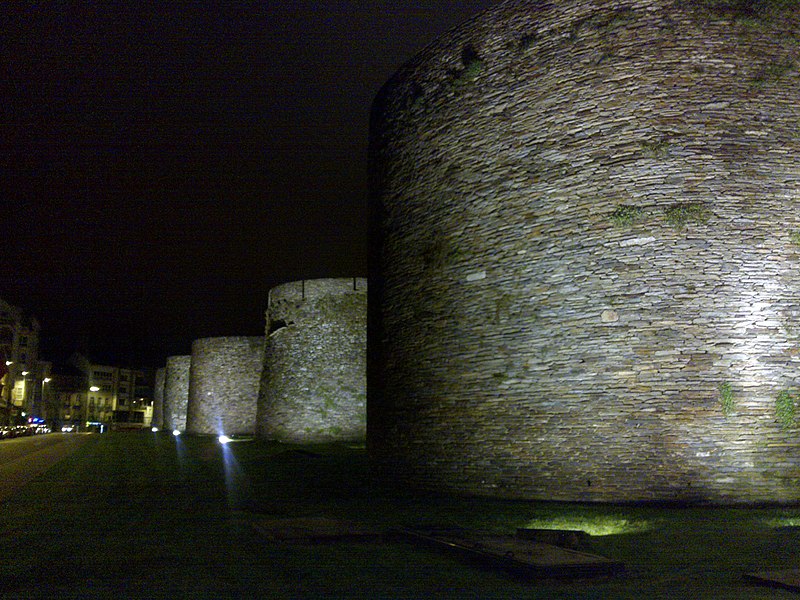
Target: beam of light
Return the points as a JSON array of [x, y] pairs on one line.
[[234, 478], [180, 448], [223, 439]]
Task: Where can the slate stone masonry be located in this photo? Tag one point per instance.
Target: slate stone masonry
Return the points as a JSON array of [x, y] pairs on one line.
[[313, 387], [585, 266], [158, 398], [176, 391], [223, 385]]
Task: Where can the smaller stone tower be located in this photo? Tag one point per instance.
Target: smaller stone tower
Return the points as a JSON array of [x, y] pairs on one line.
[[158, 398], [176, 391], [223, 385], [313, 387]]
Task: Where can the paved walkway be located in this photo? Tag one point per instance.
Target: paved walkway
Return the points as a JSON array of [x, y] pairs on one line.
[[23, 459]]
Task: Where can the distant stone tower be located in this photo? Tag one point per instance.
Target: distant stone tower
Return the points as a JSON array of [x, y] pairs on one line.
[[585, 270], [313, 387], [176, 391], [158, 398], [223, 385]]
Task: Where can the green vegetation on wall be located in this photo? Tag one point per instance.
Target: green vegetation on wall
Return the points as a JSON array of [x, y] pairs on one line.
[[785, 405], [473, 65], [772, 72], [625, 215], [726, 398], [607, 21], [656, 149], [681, 214], [748, 12], [471, 71]]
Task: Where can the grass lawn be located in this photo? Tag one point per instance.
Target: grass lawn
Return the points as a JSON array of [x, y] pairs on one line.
[[143, 515]]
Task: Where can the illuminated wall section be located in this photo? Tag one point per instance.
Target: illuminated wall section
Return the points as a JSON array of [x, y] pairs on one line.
[[585, 268], [176, 391], [223, 385], [313, 387]]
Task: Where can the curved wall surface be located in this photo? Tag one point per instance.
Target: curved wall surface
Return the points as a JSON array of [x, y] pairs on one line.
[[313, 386], [223, 387], [158, 398], [176, 391], [585, 267]]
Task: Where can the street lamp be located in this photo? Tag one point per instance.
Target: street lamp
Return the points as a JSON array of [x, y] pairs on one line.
[[23, 396]]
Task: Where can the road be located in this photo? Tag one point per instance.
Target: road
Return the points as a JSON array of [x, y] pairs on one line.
[[23, 459]]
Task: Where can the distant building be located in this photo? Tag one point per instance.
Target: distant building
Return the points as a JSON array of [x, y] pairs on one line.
[[21, 372], [68, 397], [115, 396]]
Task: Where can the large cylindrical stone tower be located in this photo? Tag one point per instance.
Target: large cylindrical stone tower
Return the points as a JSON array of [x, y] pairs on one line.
[[313, 387], [223, 385], [176, 391], [585, 276], [158, 398]]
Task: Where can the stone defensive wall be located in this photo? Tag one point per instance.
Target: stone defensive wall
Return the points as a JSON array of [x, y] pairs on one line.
[[176, 391], [158, 398], [313, 386], [585, 261], [223, 385]]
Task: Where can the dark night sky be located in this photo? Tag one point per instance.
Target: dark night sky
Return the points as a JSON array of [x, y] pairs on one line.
[[162, 168]]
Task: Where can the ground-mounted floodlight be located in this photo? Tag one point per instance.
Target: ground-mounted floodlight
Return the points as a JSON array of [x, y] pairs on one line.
[[176, 432], [234, 438], [154, 429]]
